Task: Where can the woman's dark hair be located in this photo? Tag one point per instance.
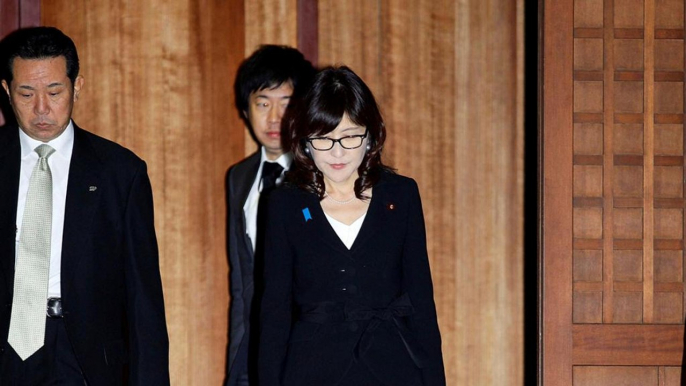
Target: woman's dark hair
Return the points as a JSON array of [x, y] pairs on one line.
[[39, 43], [334, 92]]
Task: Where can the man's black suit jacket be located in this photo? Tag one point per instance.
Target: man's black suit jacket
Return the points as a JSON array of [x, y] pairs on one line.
[[327, 308], [239, 180], [111, 286]]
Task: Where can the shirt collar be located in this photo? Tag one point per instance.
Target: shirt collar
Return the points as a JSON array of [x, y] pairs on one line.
[[62, 144], [283, 160]]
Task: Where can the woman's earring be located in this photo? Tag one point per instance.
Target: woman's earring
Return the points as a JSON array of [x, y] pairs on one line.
[[307, 150], [369, 147]]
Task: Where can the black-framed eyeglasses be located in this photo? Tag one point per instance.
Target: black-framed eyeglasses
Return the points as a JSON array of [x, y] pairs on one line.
[[348, 142]]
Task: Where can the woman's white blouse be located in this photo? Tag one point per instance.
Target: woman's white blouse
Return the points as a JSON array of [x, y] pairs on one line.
[[347, 233]]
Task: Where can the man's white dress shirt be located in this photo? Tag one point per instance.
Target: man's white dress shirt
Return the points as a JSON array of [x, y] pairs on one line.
[[59, 167], [250, 207]]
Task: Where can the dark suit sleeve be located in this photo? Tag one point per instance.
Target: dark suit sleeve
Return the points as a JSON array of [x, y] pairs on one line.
[[237, 309], [148, 340], [417, 282], [276, 313]]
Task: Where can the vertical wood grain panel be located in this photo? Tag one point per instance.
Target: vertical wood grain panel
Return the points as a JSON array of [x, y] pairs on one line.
[[448, 78], [159, 81], [350, 34], [682, 377], [648, 157], [29, 13], [489, 169], [608, 161], [308, 29], [9, 16], [556, 180]]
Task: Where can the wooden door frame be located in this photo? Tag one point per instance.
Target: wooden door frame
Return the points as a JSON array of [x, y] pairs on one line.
[[555, 181]]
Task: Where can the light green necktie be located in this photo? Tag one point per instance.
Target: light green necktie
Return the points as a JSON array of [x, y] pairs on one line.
[[27, 324]]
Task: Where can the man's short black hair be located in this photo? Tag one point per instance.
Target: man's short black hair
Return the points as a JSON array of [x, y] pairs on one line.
[[270, 67], [39, 43]]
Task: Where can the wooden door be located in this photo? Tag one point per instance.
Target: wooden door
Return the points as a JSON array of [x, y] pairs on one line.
[[612, 202]]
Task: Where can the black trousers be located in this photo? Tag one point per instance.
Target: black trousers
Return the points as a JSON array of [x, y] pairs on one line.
[[53, 364]]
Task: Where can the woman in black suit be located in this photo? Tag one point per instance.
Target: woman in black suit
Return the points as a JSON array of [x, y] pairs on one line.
[[348, 296]]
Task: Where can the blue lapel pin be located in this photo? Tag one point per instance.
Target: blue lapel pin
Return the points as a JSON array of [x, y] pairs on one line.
[[307, 215]]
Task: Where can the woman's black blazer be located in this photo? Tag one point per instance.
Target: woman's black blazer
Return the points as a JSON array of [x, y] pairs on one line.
[[326, 308]]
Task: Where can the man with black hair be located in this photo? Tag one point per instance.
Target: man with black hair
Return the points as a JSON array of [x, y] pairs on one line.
[[265, 83], [80, 288]]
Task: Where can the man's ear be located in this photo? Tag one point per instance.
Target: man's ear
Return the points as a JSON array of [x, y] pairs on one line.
[[78, 84], [7, 89]]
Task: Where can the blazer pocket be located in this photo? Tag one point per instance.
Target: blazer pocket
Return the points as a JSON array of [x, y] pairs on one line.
[[115, 353], [304, 331]]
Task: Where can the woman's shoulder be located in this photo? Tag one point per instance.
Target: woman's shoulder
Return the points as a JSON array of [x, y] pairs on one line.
[[394, 181], [289, 192]]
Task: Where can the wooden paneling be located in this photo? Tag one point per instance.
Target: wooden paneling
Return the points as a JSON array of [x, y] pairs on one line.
[[308, 29], [18, 13], [350, 34], [159, 81], [606, 375], [447, 76], [627, 199], [644, 345], [626, 376], [559, 122]]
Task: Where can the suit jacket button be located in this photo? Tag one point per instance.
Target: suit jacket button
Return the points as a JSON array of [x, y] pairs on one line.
[[353, 326]]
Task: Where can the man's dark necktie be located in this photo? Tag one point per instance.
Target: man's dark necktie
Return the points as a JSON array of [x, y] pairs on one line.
[[270, 173]]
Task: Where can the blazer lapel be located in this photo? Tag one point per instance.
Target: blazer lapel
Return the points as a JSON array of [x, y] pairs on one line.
[[10, 164], [377, 215], [320, 226], [82, 199], [245, 182]]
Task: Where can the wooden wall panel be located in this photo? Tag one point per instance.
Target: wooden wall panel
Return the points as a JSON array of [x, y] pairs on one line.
[[448, 78], [159, 81], [555, 345], [350, 34], [489, 172], [626, 376]]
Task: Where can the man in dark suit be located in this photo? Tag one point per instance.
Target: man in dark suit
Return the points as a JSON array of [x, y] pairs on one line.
[[265, 83], [77, 236]]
